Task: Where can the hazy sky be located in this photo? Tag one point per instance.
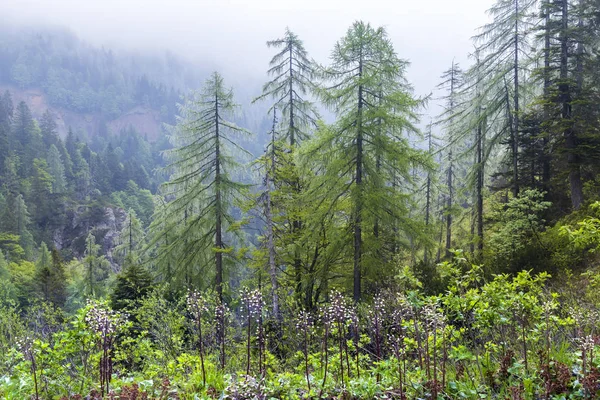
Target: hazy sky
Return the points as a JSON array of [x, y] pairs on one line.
[[231, 34]]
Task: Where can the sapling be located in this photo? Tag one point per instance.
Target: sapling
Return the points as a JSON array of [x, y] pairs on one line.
[[197, 307]]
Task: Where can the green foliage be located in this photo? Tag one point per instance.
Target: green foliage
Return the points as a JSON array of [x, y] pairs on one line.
[[131, 285], [202, 167], [84, 79], [365, 154], [90, 275], [518, 228]]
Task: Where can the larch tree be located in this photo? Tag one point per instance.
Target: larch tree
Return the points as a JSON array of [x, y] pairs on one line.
[[452, 79], [504, 45], [202, 188], [292, 75], [366, 148], [131, 239], [95, 269]]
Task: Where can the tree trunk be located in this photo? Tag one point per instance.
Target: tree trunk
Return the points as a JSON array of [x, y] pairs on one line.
[[515, 131], [480, 176], [566, 113], [218, 209], [449, 207], [427, 198], [270, 228], [358, 200], [546, 140]]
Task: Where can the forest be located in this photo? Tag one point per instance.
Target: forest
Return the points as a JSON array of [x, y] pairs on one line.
[[375, 254]]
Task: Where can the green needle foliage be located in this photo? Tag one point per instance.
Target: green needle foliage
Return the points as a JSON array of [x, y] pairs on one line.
[[293, 76], [201, 187], [366, 154]]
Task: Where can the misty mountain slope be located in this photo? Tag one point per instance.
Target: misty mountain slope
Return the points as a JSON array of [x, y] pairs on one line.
[[97, 91], [88, 88]]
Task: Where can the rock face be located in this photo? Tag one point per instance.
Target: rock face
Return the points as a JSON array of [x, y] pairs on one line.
[[105, 223]]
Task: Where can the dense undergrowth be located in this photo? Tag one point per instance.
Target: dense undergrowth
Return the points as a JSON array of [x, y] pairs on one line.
[[507, 338]]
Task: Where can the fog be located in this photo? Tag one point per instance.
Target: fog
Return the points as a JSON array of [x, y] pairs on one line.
[[230, 34]]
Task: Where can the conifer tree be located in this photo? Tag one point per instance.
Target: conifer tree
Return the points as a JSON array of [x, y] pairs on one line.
[[48, 128], [25, 141], [50, 277], [452, 81], [132, 284], [39, 198], [293, 76], [6, 114], [95, 269], [375, 108], [504, 45], [201, 185], [131, 239], [57, 170]]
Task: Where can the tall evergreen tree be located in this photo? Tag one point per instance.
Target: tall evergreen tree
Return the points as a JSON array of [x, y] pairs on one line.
[[39, 197], [57, 170], [452, 81], [25, 141], [6, 114], [50, 277], [48, 129]]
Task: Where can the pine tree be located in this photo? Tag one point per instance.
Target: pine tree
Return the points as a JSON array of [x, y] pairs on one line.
[[6, 114], [57, 170], [50, 277], [365, 149]]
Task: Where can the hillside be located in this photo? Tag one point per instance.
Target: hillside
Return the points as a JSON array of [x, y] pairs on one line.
[[228, 248], [145, 120], [91, 89]]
